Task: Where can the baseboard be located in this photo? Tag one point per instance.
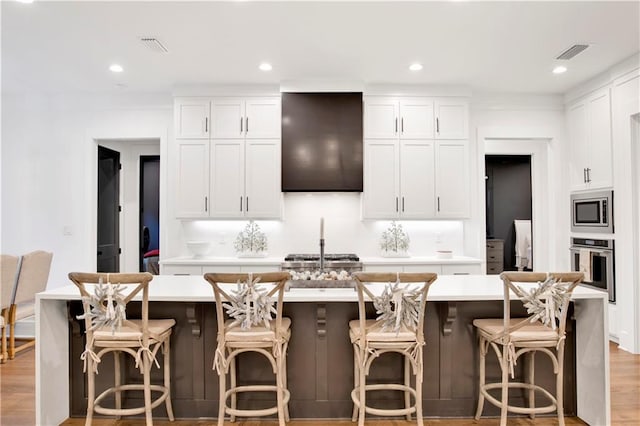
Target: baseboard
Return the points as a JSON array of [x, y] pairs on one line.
[[26, 328]]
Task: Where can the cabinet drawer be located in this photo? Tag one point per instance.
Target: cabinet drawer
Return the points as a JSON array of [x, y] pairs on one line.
[[181, 270], [221, 269], [423, 268], [494, 268], [494, 255], [383, 268], [495, 244], [460, 269], [260, 268]]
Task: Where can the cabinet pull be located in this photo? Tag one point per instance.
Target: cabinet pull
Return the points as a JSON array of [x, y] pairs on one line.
[[396, 204], [241, 203], [246, 125], [584, 175], [396, 131], [240, 124], [403, 204], [438, 203], [588, 175], [437, 125], [402, 125], [206, 202], [247, 204], [206, 124]]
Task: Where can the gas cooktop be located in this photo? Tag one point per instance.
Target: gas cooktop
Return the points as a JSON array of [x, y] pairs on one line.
[[340, 257]]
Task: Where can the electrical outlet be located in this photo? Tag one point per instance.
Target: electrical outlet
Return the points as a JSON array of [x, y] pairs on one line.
[[438, 238], [66, 230]]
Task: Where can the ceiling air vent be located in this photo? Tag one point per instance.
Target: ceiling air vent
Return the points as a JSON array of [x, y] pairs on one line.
[[154, 44], [572, 51]]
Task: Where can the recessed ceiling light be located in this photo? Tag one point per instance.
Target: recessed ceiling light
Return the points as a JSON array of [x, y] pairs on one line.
[[415, 67], [265, 66], [116, 68], [559, 69]]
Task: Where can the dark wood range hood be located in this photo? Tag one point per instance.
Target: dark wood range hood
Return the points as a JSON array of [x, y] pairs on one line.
[[322, 142]]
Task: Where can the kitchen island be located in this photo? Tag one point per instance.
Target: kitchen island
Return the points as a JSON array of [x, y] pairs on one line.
[[320, 364]]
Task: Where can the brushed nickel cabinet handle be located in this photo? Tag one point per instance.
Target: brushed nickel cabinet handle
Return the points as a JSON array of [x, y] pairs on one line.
[[396, 131], [206, 124], [206, 202], [241, 203], [437, 125], [247, 204], [240, 124], [403, 204], [438, 203], [246, 126], [402, 125], [396, 204]]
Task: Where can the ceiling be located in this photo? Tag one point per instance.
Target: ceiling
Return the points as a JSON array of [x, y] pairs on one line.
[[490, 47]]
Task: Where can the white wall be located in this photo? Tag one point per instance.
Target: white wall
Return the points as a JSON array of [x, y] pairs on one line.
[[48, 168]]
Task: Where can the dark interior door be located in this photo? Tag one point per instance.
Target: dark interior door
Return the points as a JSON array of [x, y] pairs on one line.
[[108, 255], [508, 197], [149, 205]]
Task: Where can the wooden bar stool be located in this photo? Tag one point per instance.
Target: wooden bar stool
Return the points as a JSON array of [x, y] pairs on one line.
[[248, 301], [546, 298], [108, 330], [398, 328]]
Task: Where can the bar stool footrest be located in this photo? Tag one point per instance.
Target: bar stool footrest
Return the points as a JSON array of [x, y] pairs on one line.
[[520, 410], [129, 411], [383, 411], [255, 412]]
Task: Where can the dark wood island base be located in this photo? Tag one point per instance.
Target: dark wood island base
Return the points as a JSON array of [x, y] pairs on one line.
[[320, 362]]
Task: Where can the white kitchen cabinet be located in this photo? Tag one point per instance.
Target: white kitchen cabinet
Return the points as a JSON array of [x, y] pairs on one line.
[[384, 268], [416, 179], [429, 267], [438, 268], [589, 126], [452, 179], [239, 118], [245, 178], [192, 187], [451, 118], [392, 118], [192, 118], [399, 179], [413, 168]]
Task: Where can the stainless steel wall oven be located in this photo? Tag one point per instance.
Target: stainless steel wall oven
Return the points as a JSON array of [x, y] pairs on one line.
[[595, 258]]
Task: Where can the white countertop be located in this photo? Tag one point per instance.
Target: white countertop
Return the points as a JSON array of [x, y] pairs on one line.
[[426, 260], [169, 288]]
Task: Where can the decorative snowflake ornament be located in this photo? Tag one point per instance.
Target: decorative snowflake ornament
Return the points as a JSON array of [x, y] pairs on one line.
[[107, 306], [397, 306], [250, 305]]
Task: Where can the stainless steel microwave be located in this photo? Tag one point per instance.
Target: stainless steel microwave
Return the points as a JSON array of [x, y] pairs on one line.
[[592, 212]]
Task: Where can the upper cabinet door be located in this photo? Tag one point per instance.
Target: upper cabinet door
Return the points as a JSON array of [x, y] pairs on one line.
[[416, 119], [579, 152], [262, 118], [227, 178], [600, 167], [227, 116], [381, 179], [451, 119], [452, 179], [417, 179], [192, 118], [192, 188], [263, 197], [381, 120]]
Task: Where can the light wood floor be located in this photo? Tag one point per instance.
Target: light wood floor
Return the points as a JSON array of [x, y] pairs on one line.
[[17, 401]]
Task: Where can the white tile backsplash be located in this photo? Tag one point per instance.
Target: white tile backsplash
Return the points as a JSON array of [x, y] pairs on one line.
[[345, 232]]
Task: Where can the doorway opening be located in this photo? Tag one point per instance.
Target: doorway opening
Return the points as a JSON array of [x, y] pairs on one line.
[[108, 241], [149, 213], [508, 201]]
